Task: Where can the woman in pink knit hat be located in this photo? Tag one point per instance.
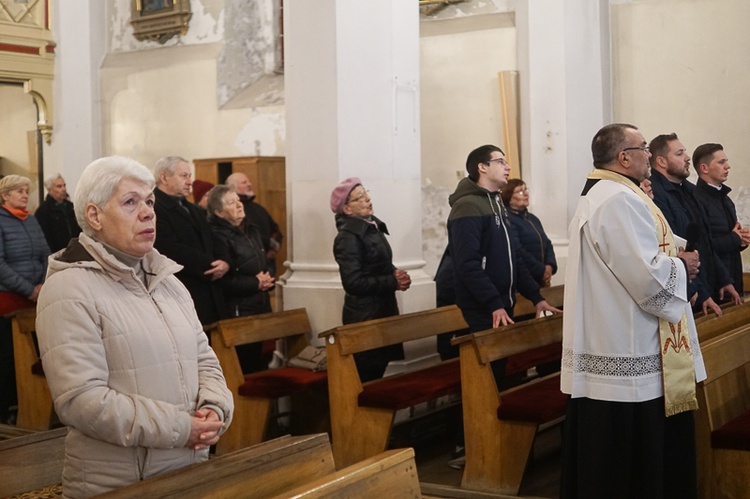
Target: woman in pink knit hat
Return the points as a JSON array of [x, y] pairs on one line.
[[366, 268]]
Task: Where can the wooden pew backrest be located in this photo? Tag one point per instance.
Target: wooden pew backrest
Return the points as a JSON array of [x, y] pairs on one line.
[[255, 395], [390, 474], [723, 396], [362, 336], [260, 471], [31, 462], [733, 316]]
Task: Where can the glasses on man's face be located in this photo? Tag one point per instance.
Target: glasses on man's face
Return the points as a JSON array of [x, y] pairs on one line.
[[499, 160], [639, 148], [365, 194]]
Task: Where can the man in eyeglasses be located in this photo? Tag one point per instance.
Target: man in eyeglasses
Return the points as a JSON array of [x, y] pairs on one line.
[[631, 356], [711, 193], [483, 246], [673, 194]]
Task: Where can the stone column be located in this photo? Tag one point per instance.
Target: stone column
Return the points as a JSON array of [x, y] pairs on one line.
[[352, 101], [564, 66], [80, 33]]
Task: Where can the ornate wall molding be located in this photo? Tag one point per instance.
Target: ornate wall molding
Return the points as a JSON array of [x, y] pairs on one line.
[[27, 54]]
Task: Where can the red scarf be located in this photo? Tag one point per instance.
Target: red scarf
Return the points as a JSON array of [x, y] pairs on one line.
[[19, 213]]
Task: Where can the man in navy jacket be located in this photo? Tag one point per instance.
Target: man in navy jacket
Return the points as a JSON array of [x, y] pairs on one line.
[[483, 246]]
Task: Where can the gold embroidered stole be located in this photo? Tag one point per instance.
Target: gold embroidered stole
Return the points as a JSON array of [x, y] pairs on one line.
[[678, 370]]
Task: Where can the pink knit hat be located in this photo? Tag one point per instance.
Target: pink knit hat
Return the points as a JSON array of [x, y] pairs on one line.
[[341, 193]]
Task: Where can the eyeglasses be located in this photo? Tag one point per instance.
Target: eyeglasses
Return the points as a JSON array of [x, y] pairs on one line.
[[522, 190], [502, 161], [639, 148], [365, 194]]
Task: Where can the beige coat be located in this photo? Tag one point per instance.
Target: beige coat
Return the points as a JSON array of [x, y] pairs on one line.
[[126, 366]]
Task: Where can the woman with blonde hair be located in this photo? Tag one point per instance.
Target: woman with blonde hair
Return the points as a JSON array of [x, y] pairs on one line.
[[23, 264]]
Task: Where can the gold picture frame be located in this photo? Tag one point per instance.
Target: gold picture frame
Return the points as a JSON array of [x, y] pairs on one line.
[[159, 20]]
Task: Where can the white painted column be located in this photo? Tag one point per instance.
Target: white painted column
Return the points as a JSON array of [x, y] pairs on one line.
[[79, 30], [564, 65], [352, 101]]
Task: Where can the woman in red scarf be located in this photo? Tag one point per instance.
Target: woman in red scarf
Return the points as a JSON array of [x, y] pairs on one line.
[[23, 264]]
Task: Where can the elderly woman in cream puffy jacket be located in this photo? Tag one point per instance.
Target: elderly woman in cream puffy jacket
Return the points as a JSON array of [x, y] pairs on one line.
[[129, 367]]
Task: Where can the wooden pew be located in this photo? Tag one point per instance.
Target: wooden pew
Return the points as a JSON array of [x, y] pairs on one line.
[[255, 394], [264, 470], [362, 414], [722, 422], [31, 462], [733, 316], [392, 474], [11, 431], [35, 407], [500, 427], [525, 309]]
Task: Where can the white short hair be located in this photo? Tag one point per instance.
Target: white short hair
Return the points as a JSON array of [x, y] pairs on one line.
[[49, 180], [99, 181], [167, 165]]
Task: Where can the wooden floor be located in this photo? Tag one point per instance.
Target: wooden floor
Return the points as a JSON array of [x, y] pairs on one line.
[[433, 442]]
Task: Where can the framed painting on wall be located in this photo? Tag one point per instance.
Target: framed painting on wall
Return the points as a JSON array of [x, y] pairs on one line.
[[159, 20]]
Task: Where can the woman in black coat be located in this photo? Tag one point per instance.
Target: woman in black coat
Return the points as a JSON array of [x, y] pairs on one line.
[[247, 283], [536, 248], [367, 271]]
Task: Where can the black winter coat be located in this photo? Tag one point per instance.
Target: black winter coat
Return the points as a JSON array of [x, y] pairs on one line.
[[246, 258], [58, 222], [677, 203], [366, 267], [721, 216], [183, 234], [536, 248]]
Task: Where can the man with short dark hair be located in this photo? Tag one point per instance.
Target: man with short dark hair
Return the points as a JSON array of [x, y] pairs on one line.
[[55, 215], [631, 355], [483, 246], [673, 194], [711, 193], [183, 234]]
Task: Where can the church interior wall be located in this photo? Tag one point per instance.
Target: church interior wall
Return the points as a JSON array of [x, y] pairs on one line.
[[460, 109], [18, 119], [164, 99], [682, 67]]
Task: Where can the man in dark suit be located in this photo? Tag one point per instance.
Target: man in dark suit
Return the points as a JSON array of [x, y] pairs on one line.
[[183, 234], [56, 216]]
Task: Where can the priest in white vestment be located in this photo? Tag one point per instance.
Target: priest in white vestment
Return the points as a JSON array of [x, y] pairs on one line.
[[631, 356]]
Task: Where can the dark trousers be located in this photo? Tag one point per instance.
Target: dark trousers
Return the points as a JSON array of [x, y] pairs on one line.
[[8, 396], [625, 450]]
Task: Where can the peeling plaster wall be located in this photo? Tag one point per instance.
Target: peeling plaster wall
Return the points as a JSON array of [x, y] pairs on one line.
[[250, 53], [206, 26], [460, 104], [161, 99]]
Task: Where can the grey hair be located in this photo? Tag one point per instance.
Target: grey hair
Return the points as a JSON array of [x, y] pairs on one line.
[[232, 180], [99, 181], [11, 182], [48, 181], [216, 199], [167, 165]]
